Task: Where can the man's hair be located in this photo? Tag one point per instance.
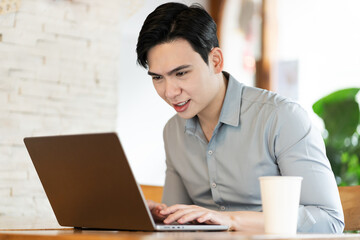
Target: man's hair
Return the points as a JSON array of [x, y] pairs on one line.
[[172, 21]]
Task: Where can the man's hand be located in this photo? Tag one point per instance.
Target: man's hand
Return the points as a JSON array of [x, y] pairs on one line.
[[155, 209], [237, 221], [190, 213]]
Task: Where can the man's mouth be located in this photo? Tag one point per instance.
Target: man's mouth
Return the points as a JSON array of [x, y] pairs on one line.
[[182, 103], [182, 106]]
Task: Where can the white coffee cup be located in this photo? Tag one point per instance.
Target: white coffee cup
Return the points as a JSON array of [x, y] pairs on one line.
[[280, 200]]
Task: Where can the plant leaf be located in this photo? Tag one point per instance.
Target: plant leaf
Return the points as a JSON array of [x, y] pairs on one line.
[[340, 113]]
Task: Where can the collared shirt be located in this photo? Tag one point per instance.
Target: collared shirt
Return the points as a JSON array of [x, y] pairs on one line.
[[259, 133]]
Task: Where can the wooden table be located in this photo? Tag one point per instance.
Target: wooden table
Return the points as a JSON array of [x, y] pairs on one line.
[[27, 228]]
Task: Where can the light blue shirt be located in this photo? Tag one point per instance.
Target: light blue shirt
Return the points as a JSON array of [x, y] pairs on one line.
[[259, 133]]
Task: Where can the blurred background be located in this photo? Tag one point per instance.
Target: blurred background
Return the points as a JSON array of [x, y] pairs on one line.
[[69, 66]]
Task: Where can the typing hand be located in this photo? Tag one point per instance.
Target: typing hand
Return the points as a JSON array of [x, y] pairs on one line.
[[155, 209], [191, 213]]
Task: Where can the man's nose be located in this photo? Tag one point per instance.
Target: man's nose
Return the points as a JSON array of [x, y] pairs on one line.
[[171, 89]]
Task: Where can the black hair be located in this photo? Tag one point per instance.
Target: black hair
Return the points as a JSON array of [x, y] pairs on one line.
[[171, 21]]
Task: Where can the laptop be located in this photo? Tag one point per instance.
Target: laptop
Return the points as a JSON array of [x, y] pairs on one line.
[[90, 185]]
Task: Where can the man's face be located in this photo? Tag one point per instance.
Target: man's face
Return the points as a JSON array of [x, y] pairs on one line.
[[182, 78]]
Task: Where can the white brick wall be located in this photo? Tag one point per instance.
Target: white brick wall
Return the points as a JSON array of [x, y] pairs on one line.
[[58, 75]]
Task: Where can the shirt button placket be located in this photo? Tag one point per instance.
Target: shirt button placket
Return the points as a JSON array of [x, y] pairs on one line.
[[212, 173]]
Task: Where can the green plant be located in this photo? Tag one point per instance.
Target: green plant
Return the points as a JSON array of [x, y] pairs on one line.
[[341, 115]]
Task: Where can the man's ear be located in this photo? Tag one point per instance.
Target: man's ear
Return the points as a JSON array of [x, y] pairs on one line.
[[216, 60]]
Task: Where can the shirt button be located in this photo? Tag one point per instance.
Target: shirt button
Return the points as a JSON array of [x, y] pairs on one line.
[[210, 152], [213, 185], [222, 208]]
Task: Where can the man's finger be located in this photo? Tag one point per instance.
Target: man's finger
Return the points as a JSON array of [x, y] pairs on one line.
[[161, 206], [191, 216], [178, 214], [208, 218], [174, 208]]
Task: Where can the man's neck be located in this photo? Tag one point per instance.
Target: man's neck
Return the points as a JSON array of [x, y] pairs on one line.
[[210, 118]]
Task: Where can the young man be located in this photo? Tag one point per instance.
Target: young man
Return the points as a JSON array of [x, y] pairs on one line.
[[225, 135]]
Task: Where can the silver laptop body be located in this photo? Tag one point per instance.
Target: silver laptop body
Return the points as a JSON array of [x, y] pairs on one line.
[[90, 184]]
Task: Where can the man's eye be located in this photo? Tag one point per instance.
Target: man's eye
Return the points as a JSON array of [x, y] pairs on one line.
[[156, 77], [180, 74]]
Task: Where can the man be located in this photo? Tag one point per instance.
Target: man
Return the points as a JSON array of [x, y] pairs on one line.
[[225, 135]]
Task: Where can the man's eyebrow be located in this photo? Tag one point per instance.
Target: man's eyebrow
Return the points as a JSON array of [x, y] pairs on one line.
[[171, 72], [153, 74]]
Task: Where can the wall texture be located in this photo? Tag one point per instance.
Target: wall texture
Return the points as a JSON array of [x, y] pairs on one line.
[[58, 75]]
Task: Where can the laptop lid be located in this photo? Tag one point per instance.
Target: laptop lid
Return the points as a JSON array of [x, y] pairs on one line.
[[89, 183]]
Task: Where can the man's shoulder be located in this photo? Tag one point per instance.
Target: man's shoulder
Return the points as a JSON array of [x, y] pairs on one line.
[[280, 109], [258, 96]]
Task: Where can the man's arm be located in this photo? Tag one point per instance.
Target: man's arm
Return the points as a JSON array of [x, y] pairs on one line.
[[299, 151], [174, 189]]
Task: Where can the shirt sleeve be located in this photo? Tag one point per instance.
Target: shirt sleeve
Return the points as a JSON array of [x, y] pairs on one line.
[[299, 151], [174, 188]]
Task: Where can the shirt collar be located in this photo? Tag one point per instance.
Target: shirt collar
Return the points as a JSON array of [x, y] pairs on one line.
[[190, 126], [193, 127], [230, 112]]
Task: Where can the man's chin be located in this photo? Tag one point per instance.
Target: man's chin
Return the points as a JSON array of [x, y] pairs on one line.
[[186, 115]]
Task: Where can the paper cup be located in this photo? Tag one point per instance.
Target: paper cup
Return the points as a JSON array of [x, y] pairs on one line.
[[280, 200]]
